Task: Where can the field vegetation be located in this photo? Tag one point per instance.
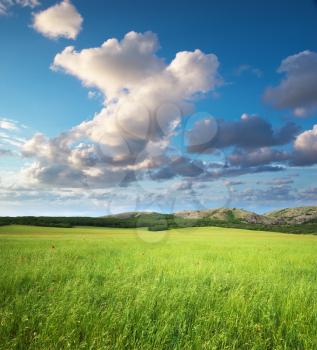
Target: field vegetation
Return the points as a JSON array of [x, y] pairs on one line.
[[195, 288]]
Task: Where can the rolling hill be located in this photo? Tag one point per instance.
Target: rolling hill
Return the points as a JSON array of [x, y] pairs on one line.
[[228, 214], [287, 216], [294, 216], [290, 220]]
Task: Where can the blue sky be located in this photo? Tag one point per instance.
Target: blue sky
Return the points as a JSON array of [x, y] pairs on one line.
[[248, 41]]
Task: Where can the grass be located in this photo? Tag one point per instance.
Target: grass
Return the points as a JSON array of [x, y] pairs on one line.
[[196, 288]]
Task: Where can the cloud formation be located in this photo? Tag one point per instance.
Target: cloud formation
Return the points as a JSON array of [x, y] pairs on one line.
[[257, 157], [10, 135], [7, 124], [60, 20], [305, 148], [5, 5], [266, 195], [144, 100], [248, 132], [298, 89], [303, 153], [121, 67], [144, 97]]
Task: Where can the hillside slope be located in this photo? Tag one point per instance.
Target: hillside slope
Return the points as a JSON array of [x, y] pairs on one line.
[[288, 216], [228, 214], [294, 216], [291, 220], [132, 215]]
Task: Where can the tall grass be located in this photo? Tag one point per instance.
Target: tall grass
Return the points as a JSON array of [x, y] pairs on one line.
[[206, 288]]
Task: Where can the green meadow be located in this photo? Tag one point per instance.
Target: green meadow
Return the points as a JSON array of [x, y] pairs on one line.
[[195, 288]]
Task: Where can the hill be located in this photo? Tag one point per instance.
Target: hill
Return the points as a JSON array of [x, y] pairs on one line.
[[290, 220], [294, 216], [228, 214], [134, 215]]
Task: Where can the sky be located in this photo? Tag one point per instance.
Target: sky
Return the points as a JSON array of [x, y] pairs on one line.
[[113, 106]]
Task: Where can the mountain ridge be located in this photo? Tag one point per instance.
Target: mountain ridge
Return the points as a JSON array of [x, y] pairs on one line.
[[301, 220], [286, 216]]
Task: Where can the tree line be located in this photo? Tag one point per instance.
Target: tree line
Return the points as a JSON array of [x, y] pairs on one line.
[[153, 221]]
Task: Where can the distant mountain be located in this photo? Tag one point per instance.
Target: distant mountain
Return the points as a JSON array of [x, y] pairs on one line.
[[294, 216], [288, 216], [228, 214], [135, 215], [127, 215], [291, 220]]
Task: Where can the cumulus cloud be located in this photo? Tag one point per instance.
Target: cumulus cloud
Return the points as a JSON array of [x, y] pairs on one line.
[[260, 156], [303, 153], [61, 163], [60, 20], [248, 132], [5, 5], [118, 67], [144, 101], [298, 89], [180, 166], [305, 148], [114, 65], [203, 171], [144, 97]]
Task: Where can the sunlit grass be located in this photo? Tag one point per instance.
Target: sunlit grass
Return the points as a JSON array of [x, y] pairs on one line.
[[198, 288]]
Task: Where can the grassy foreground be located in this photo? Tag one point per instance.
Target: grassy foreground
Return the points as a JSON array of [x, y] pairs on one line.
[[196, 288]]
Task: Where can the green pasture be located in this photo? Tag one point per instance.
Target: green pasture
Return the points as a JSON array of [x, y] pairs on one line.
[[195, 288]]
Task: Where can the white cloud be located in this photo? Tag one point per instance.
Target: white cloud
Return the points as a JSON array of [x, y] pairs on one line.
[[144, 97], [7, 124], [144, 100], [114, 65], [12, 134], [118, 67], [298, 90], [5, 5], [60, 20], [305, 147], [257, 157]]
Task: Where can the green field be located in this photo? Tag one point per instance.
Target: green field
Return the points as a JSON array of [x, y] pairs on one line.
[[196, 288]]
